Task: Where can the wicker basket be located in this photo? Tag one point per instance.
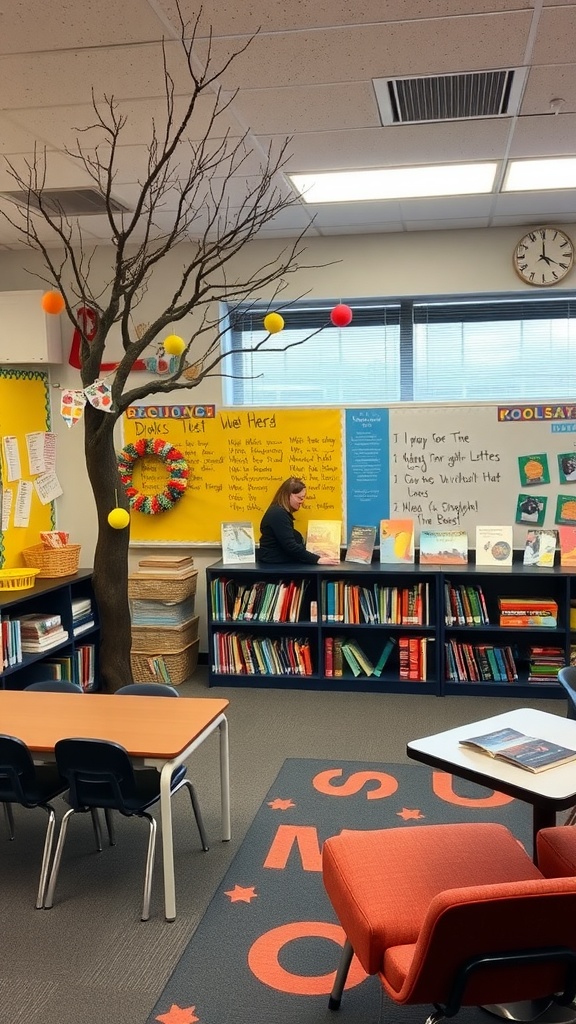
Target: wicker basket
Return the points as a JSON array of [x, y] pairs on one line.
[[53, 562], [17, 579], [178, 666], [164, 639], [161, 588]]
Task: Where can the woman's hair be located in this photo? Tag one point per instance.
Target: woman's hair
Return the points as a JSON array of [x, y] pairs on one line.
[[293, 485]]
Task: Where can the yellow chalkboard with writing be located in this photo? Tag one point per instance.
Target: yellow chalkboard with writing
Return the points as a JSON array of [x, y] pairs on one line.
[[236, 460], [24, 409]]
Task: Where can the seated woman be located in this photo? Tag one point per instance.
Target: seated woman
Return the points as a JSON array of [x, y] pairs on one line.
[[279, 541]]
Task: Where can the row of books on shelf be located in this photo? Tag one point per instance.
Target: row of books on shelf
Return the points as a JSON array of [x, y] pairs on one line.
[[353, 603], [479, 662], [260, 602], [465, 605], [499, 663], [78, 666], [342, 653], [241, 654]]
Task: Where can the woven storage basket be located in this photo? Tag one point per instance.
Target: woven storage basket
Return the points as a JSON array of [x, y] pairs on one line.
[[179, 665], [164, 639], [17, 579], [53, 562], [161, 588]]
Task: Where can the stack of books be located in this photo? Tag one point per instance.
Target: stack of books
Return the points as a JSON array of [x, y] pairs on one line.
[[528, 612], [40, 632], [161, 613], [166, 566], [545, 663], [82, 615]]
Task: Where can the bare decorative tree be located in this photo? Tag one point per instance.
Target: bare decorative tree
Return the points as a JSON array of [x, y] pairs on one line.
[[202, 197]]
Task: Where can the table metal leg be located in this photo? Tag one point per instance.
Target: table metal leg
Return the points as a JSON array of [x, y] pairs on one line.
[[167, 841], [225, 779]]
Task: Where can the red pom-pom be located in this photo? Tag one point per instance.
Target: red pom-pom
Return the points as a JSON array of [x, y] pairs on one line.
[[341, 315]]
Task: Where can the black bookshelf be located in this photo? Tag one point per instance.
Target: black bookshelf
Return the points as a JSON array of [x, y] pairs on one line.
[[53, 597], [515, 581]]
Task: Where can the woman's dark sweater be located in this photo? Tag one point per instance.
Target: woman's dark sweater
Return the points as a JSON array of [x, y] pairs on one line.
[[279, 541]]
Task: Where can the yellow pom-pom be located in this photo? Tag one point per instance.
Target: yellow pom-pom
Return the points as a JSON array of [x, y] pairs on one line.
[[273, 323], [173, 345], [118, 518], [53, 302]]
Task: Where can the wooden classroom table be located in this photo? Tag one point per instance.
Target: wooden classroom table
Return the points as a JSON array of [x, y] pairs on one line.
[[157, 733]]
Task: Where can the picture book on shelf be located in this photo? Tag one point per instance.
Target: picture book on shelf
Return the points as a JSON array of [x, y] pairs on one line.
[[238, 542], [361, 544], [494, 545], [323, 537], [443, 547], [540, 548], [567, 539], [528, 752], [397, 541]]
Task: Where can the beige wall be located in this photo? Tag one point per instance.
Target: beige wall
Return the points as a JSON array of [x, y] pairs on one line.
[[340, 267]]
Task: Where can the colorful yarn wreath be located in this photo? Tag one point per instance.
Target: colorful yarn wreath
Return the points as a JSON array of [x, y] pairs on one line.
[[175, 462]]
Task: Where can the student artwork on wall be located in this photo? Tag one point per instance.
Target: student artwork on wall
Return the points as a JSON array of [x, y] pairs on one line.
[[565, 509], [531, 508], [533, 470], [28, 459], [567, 468]]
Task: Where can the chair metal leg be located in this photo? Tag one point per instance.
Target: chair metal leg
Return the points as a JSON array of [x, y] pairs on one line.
[[49, 901], [341, 975], [571, 818], [46, 855], [9, 818], [110, 826], [97, 829], [197, 813], [149, 866], [435, 1016]]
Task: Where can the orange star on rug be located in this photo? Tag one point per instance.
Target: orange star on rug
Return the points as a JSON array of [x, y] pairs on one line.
[[406, 814], [241, 894], [179, 1015], [280, 805]]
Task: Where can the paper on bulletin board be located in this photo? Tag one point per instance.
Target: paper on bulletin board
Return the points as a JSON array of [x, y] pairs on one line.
[[236, 460]]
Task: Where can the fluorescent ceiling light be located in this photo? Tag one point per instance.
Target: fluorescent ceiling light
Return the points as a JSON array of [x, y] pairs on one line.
[[395, 183], [537, 175]]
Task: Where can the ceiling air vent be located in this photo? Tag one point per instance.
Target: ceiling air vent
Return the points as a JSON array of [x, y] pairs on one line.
[[450, 97], [67, 202]]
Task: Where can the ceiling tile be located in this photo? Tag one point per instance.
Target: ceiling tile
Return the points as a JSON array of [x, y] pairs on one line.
[[547, 83], [554, 43], [290, 110], [64, 25], [547, 135]]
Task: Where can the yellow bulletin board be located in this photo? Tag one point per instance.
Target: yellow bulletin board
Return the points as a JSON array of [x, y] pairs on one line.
[[236, 459], [24, 409]]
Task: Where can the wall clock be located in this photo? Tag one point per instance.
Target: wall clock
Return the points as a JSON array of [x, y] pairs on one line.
[[543, 256]]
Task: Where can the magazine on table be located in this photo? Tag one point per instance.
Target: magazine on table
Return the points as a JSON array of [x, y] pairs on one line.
[[529, 752]]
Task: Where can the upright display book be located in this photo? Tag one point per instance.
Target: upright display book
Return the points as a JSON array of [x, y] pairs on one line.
[[397, 541], [567, 539], [494, 545], [361, 544], [238, 542], [528, 752], [443, 547], [324, 536], [540, 548]]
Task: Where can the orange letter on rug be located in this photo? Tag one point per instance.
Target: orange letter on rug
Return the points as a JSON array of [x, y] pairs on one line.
[[305, 837], [387, 784], [442, 787], [263, 959]]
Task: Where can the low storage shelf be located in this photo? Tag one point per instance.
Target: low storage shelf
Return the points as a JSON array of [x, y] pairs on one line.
[[76, 657], [385, 628]]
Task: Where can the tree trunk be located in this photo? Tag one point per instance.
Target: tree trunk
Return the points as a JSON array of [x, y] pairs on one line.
[[111, 555]]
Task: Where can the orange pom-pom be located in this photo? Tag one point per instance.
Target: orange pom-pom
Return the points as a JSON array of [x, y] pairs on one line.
[[53, 302]]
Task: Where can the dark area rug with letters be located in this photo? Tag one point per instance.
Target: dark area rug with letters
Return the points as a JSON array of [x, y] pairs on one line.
[[267, 948]]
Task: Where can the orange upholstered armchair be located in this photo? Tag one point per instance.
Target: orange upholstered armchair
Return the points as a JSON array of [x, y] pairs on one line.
[[455, 915]]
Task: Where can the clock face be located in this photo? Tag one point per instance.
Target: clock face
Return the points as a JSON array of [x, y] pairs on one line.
[[543, 257]]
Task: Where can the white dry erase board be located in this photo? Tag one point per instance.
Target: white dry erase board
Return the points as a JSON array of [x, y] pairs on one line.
[[447, 466]]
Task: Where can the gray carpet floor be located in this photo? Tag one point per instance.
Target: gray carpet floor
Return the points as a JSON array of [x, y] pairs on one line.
[[90, 959]]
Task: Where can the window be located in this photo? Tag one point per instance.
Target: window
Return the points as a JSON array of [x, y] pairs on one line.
[[506, 348]]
